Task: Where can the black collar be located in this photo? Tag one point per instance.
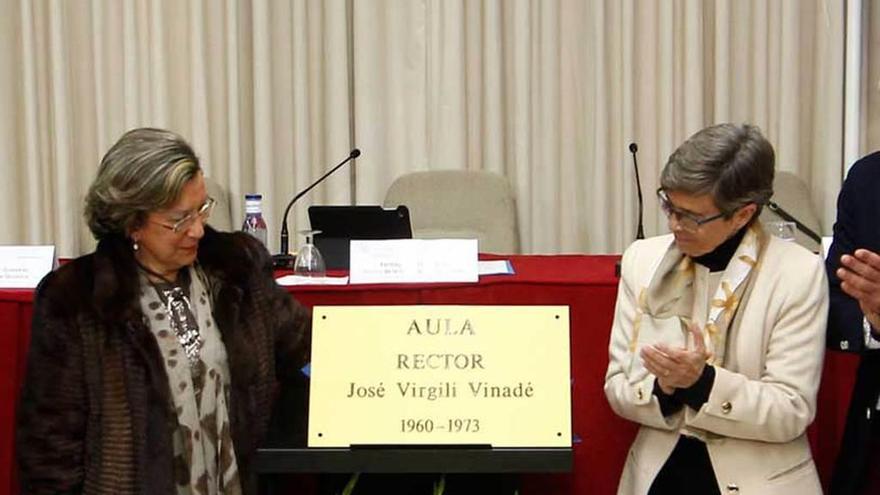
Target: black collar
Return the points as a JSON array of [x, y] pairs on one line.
[[717, 259]]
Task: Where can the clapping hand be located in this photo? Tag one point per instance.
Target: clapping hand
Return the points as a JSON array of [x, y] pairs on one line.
[[860, 278], [677, 367]]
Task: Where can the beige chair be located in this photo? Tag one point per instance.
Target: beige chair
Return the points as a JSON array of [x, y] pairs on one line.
[[790, 192], [221, 217], [459, 204]]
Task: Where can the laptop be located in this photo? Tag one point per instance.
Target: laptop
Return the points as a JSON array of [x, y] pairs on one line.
[[341, 224]]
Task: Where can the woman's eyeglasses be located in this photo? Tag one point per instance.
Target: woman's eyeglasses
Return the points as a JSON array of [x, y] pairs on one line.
[[202, 214], [687, 221]]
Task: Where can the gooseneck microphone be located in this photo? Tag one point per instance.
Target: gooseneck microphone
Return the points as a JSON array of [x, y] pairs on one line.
[[283, 259], [788, 217], [640, 232]]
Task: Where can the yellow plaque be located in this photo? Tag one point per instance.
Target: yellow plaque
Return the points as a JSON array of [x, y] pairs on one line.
[[416, 375]]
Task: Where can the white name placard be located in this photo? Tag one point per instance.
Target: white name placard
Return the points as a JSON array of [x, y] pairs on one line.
[[22, 267], [413, 261]]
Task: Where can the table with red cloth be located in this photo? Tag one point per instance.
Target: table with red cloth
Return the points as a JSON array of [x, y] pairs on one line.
[[587, 284]]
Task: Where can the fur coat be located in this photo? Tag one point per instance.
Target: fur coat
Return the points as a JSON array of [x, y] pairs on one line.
[[96, 415]]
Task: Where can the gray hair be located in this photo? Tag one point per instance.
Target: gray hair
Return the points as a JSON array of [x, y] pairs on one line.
[[144, 171], [733, 163]]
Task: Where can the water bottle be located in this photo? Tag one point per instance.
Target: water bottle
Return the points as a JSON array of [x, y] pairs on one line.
[[253, 217]]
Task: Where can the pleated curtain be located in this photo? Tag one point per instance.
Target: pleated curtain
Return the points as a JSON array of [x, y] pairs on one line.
[[548, 93]]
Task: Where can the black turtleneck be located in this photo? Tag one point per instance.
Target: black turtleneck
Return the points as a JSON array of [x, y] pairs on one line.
[[717, 259], [697, 394], [689, 464]]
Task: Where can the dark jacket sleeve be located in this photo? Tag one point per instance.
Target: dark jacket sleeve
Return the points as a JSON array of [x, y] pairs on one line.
[[858, 210], [669, 404], [698, 394], [694, 396], [292, 322], [290, 326], [53, 409]]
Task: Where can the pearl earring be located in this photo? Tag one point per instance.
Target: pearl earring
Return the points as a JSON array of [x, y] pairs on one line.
[[135, 246]]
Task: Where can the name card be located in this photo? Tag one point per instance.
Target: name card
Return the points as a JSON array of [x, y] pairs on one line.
[[440, 375], [413, 261], [22, 267]]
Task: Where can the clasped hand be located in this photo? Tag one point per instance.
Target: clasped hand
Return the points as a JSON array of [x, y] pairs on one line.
[[676, 367], [860, 278]]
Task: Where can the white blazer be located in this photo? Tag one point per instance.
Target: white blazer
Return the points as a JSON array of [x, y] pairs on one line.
[[763, 398]]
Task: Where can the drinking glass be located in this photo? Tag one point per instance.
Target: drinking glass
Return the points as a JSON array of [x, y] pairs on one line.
[[309, 262], [782, 230]]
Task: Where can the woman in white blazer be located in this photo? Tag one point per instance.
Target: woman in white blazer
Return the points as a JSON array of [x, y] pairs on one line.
[[719, 331]]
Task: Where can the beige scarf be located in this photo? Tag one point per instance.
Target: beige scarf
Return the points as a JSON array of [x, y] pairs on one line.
[[204, 459], [666, 305]]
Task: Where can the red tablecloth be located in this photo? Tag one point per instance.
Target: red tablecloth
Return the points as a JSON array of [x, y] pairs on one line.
[[587, 284]]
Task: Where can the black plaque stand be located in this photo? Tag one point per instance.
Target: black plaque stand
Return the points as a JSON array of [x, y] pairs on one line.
[[416, 459], [272, 462], [284, 453]]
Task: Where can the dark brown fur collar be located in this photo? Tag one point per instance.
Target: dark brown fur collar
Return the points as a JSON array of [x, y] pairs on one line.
[[107, 280]]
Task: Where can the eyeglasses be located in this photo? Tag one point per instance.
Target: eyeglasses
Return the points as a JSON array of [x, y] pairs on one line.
[[687, 221], [182, 225]]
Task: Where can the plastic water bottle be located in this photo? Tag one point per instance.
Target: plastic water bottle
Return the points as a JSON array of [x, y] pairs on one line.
[[253, 217]]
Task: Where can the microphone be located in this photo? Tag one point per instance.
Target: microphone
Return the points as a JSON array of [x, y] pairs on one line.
[[640, 232], [283, 259], [775, 208]]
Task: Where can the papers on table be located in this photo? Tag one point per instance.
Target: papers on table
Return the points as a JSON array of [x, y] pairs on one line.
[[288, 280], [495, 267], [401, 261]]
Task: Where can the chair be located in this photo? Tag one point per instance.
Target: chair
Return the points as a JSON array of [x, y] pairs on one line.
[[459, 204], [790, 192], [221, 217]]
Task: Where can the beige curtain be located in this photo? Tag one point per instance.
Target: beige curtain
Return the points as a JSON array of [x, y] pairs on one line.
[[259, 88], [547, 92], [550, 93]]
